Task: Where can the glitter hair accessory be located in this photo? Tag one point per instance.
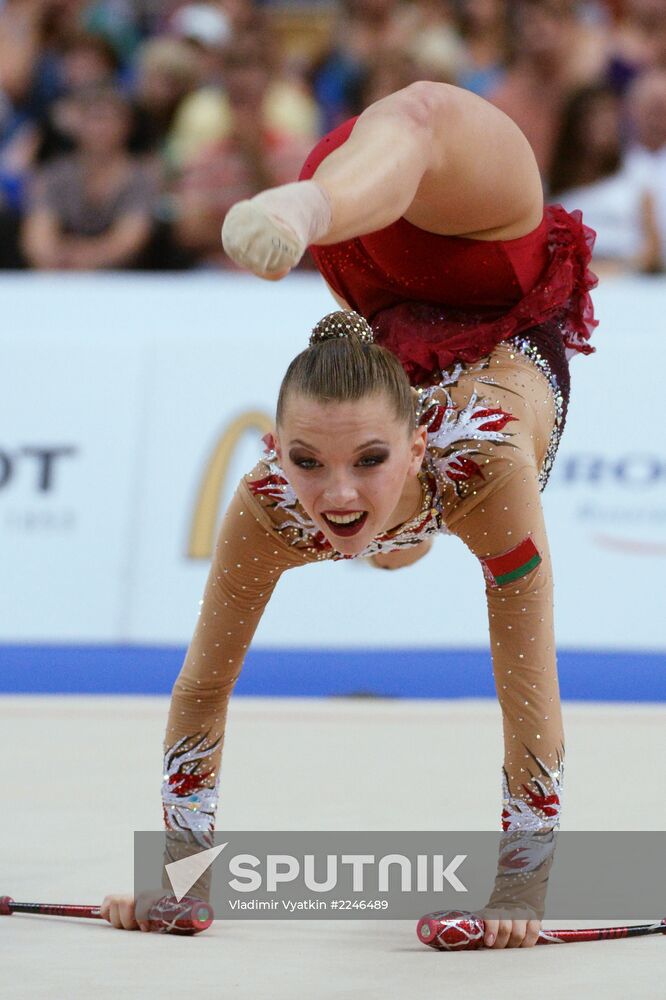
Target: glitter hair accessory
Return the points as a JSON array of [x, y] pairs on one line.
[[343, 323]]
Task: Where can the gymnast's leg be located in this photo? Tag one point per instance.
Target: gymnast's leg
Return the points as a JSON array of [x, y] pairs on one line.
[[421, 153]]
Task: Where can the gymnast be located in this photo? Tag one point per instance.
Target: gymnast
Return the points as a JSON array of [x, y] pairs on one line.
[[432, 401]]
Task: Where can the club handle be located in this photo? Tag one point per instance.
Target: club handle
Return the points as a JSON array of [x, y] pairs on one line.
[[458, 930], [166, 916], [9, 906]]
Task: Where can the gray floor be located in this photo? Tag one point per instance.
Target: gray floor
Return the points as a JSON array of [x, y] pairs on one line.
[[81, 774]]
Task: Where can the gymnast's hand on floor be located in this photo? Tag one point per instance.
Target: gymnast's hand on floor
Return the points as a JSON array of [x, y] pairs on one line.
[[126, 913], [511, 933], [120, 911]]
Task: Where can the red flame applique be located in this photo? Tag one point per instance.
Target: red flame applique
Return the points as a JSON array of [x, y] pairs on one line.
[[461, 469], [185, 784], [548, 804], [269, 486], [499, 419], [269, 442], [433, 417], [517, 859]]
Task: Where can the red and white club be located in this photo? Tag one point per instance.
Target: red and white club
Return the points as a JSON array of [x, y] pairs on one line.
[[457, 930], [166, 916]]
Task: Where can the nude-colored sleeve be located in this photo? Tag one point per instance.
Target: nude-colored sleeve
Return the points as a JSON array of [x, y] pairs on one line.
[[249, 558], [506, 412], [496, 510]]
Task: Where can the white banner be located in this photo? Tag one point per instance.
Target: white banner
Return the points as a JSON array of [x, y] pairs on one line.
[[132, 405]]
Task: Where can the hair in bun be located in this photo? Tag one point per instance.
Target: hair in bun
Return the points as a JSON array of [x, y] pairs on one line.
[[343, 323], [343, 364]]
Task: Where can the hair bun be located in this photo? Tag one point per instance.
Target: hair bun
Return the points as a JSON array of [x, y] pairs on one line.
[[343, 323]]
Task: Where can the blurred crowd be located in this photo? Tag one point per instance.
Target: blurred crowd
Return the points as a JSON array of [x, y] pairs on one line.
[[129, 127]]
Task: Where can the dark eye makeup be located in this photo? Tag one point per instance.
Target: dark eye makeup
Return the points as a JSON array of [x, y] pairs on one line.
[[303, 462], [365, 462]]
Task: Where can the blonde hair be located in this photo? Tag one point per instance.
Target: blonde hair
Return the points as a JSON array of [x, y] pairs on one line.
[[343, 364]]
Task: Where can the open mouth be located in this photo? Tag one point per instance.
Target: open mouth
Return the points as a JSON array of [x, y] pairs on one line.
[[346, 523]]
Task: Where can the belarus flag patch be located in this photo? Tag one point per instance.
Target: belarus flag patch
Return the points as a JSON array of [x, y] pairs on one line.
[[513, 565]]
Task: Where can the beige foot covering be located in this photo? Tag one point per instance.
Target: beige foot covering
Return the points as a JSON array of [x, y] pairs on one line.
[[257, 242], [270, 233]]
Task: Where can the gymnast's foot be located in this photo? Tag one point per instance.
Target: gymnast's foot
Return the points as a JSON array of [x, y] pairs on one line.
[[268, 234]]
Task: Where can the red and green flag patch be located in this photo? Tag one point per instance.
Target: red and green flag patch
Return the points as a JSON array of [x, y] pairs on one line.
[[513, 565]]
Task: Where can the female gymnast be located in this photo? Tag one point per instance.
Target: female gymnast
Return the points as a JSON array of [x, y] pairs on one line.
[[425, 216]]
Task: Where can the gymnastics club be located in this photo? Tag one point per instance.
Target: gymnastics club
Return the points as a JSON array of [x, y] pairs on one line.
[[457, 930], [166, 916]]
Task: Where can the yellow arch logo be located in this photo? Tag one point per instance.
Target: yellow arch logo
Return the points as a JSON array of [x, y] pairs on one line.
[[202, 531]]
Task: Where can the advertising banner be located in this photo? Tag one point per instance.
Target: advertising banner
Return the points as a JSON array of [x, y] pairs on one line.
[[132, 405]]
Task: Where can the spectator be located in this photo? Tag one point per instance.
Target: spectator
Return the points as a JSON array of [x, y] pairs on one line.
[[588, 173], [117, 21], [589, 144], [640, 25], [362, 33], [92, 209], [205, 117], [22, 30], [647, 107], [647, 157], [87, 61], [425, 31], [250, 157], [194, 132], [484, 28], [168, 70], [647, 18], [545, 68], [389, 73]]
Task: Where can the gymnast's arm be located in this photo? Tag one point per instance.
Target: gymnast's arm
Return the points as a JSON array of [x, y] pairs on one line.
[[250, 556]]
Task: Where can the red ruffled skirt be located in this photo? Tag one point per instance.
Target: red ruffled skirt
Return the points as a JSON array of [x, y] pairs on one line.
[[429, 338]]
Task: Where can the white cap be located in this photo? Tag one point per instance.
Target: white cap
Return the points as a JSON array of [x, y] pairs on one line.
[[202, 22]]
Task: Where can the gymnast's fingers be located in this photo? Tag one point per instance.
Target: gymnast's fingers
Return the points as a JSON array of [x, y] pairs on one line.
[[531, 934], [503, 933], [490, 932], [119, 911]]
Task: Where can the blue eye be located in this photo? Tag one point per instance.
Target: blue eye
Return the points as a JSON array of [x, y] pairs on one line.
[[306, 463], [371, 460]]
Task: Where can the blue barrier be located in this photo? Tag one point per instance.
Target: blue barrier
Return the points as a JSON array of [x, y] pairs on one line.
[[409, 673]]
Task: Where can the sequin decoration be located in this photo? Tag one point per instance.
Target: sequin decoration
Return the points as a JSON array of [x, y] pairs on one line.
[[188, 803], [452, 432], [540, 807], [343, 323], [300, 531], [530, 350], [524, 852]]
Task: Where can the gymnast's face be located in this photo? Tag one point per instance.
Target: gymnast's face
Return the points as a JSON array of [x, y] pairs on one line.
[[352, 465]]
